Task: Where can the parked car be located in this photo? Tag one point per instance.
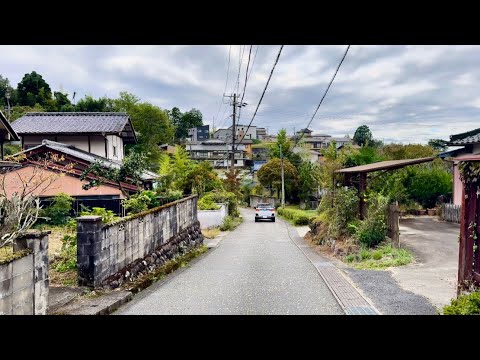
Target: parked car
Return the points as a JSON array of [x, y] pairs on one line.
[[265, 212]]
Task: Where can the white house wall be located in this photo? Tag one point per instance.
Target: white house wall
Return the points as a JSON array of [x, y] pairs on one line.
[[114, 140]]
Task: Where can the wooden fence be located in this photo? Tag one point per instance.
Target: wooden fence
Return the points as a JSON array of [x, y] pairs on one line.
[[393, 225], [450, 213]]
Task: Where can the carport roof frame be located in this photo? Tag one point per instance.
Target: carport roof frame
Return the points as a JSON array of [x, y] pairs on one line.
[[385, 165]]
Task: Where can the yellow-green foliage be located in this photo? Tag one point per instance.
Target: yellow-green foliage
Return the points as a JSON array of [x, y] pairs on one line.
[[298, 216], [464, 305]]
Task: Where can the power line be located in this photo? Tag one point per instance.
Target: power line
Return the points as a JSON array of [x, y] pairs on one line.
[[264, 90], [226, 81], [323, 97], [240, 61], [244, 85], [253, 62]]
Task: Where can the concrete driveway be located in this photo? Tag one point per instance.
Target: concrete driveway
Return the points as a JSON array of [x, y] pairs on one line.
[[435, 246]]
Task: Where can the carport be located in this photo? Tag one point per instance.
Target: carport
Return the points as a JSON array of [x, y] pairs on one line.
[[363, 170]]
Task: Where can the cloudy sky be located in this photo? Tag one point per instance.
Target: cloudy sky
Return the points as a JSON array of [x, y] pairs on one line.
[[404, 94]]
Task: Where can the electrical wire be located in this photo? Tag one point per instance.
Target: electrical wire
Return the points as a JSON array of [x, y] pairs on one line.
[[323, 97], [264, 90]]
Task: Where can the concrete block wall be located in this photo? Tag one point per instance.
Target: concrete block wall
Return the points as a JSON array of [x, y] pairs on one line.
[[211, 218], [24, 281], [103, 250]]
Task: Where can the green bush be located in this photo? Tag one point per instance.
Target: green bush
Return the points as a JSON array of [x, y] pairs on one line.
[[108, 216], [224, 197], [464, 305], [339, 210], [372, 230], [427, 183], [68, 255], [301, 220], [59, 210], [171, 196], [228, 224], [206, 203]]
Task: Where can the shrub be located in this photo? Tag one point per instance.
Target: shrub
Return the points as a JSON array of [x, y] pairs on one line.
[[171, 196], [338, 210], [59, 210], [206, 203], [68, 255], [223, 197], [107, 215], [372, 230], [464, 305], [228, 224], [301, 220]]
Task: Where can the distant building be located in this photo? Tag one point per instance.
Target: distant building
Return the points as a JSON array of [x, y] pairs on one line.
[[217, 152], [199, 133], [261, 133], [241, 133]]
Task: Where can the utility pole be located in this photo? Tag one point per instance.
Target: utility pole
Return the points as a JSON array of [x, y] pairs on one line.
[[283, 177], [7, 95], [234, 133]]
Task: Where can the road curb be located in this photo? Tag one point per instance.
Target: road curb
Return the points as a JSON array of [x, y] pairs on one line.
[[349, 298], [101, 305]]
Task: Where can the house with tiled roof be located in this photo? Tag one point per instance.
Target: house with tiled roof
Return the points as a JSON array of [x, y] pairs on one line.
[[71, 163], [467, 143], [101, 133]]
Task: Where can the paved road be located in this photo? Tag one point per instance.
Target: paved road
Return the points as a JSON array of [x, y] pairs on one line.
[[435, 246], [256, 269]]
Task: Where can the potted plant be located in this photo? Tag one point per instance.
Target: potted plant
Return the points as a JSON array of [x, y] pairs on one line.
[[422, 212], [432, 212]]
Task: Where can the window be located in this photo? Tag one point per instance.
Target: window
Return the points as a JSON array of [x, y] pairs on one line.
[[114, 150]]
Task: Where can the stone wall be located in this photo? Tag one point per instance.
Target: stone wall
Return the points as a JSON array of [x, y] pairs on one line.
[[106, 250], [211, 218], [24, 281]]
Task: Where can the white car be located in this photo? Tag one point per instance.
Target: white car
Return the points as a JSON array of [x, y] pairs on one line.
[[265, 212]]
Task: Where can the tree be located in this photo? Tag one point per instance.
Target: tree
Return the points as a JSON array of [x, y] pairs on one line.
[[438, 144], [185, 121], [33, 89], [201, 179], [174, 169], [308, 179], [362, 136], [363, 156], [130, 172], [232, 182], [410, 151], [270, 174], [154, 127], [89, 104], [284, 143]]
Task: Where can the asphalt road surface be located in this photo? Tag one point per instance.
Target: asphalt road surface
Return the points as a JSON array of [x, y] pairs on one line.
[[256, 269]]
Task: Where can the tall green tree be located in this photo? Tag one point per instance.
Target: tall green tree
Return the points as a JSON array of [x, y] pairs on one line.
[[363, 135], [308, 179], [438, 144], [154, 127], [33, 89], [270, 175], [185, 121]]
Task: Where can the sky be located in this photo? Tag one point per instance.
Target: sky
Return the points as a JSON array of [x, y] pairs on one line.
[[404, 94]]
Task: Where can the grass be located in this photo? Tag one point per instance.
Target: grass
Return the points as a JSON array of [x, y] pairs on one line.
[[381, 257], [230, 223], [211, 232]]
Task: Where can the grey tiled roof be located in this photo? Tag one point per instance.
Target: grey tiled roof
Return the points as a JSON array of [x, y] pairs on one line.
[[89, 157], [468, 137], [70, 122]]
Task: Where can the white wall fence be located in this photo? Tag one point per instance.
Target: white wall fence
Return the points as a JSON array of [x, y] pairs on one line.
[[211, 218]]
